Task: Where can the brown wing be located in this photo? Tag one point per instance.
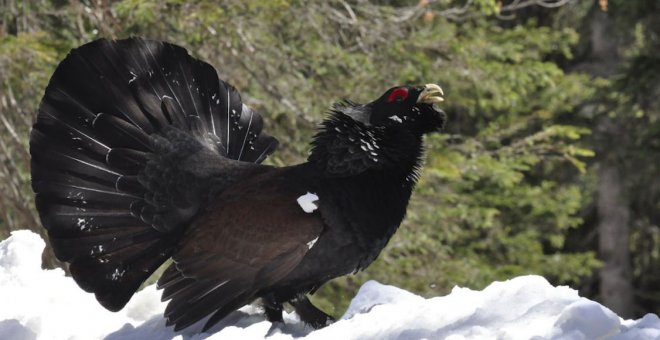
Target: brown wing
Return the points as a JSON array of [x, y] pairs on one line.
[[253, 236]]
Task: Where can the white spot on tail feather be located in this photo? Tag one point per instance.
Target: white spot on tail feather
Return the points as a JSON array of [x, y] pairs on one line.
[[306, 202], [81, 223], [118, 274], [134, 76]]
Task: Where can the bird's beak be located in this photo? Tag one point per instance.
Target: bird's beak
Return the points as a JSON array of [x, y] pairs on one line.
[[432, 94]]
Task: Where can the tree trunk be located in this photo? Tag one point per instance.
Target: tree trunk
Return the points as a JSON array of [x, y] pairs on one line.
[[613, 208], [616, 289]]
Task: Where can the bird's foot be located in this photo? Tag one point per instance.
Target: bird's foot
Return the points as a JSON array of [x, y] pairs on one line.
[[272, 309], [275, 328], [311, 315]]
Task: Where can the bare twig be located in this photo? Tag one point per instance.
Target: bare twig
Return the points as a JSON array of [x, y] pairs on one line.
[[10, 128]]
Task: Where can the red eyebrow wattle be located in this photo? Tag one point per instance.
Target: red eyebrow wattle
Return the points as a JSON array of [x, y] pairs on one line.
[[398, 93]]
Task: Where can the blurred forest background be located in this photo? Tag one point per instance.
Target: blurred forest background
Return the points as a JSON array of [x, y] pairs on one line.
[[549, 164]]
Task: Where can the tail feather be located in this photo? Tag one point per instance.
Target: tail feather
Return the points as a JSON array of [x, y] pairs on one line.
[[112, 201], [67, 130], [128, 161], [81, 194], [80, 165], [120, 133], [114, 277], [103, 243], [84, 219], [100, 81]]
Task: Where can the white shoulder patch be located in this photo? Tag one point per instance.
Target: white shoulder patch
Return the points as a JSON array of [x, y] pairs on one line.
[[395, 118], [306, 202]]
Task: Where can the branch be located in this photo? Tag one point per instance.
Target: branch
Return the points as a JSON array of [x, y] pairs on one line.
[[463, 12], [518, 4]]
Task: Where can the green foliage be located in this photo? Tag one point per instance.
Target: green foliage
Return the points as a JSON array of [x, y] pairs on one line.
[[23, 59]]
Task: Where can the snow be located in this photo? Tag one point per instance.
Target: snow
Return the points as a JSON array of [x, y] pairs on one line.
[[45, 304], [306, 202]]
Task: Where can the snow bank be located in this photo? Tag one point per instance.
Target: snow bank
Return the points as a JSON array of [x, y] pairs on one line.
[[44, 304]]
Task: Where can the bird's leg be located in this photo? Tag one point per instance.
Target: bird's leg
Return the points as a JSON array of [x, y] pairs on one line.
[[309, 314], [272, 308]]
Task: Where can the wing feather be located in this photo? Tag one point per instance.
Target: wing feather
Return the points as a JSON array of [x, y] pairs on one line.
[[235, 253]]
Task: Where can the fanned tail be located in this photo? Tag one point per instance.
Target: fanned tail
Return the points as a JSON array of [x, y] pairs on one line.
[[114, 119]]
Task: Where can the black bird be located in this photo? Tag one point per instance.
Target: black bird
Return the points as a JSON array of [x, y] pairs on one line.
[[140, 153]]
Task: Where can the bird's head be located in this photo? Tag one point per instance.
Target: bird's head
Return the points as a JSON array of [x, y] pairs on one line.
[[409, 107], [386, 133]]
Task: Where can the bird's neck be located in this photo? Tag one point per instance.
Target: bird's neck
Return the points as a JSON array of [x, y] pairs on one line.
[[344, 147]]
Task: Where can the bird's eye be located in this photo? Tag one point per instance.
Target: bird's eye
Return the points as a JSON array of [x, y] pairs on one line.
[[398, 94]]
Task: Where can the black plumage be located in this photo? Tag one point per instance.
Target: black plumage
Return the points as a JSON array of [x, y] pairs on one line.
[[140, 153]]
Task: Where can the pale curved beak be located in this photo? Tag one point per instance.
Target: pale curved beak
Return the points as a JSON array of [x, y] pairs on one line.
[[432, 94]]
